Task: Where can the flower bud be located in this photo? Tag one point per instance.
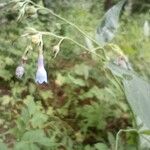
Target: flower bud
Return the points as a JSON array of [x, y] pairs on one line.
[[123, 62], [35, 39], [19, 71], [56, 49], [31, 10]]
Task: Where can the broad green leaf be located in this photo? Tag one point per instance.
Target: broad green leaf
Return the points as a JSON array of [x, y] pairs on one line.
[[82, 70], [93, 92], [60, 80], [137, 92], [106, 31], [5, 74], [112, 140], [119, 71], [105, 94], [37, 136], [46, 94], [9, 61], [38, 119], [94, 115], [23, 145], [3, 146], [25, 115], [33, 135], [101, 146], [88, 147], [6, 100], [47, 142], [32, 88]]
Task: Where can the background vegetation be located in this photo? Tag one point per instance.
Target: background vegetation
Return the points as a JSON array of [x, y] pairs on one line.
[[82, 107]]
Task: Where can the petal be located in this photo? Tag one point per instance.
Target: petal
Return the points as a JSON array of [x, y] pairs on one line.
[[41, 75]]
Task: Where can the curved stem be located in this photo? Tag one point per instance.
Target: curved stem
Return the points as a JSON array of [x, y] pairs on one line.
[[65, 20], [67, 38], [59, 43], [70, 23]]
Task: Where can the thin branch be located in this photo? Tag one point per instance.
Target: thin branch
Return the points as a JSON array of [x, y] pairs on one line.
[[70, 23], [68, 38]]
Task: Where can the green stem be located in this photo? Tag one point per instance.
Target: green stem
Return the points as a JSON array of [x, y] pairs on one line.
[[67, 38], [70, 23], [118, 134]]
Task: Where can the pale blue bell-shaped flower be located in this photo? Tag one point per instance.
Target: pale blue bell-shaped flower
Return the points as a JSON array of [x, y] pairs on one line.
[[41, 74]]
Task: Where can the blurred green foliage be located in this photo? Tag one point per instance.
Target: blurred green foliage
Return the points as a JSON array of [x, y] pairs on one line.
[[82, 107]]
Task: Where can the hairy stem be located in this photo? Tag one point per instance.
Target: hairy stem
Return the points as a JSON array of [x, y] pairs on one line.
[[75, 42]]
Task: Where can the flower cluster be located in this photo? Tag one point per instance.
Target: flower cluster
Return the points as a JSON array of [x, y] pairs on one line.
[[41, 74]]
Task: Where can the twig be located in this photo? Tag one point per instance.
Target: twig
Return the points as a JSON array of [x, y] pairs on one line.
[[68, 38]]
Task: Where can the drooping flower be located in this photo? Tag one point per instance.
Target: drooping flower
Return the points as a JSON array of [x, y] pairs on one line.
[[19, 71], [41, 74]]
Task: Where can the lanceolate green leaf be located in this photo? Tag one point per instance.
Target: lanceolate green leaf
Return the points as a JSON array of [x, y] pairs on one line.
[[137, 92], [106, 31], [25, 146]]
